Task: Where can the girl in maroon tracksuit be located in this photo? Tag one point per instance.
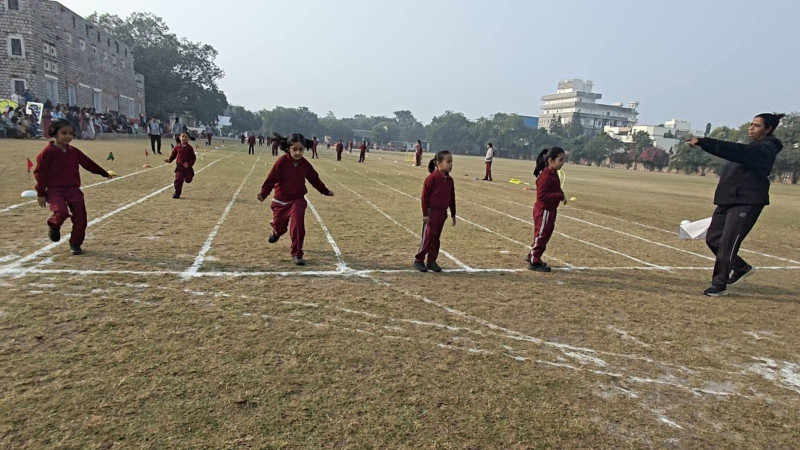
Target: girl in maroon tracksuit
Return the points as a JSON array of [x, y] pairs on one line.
[[288, 176], [438, 194], [58, 183], [251, 142], [548, 194], [184, 154]]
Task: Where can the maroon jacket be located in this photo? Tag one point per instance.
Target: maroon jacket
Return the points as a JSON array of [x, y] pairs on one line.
[[56, 168], [438, 192], [362, 147], [288, 177], [251, 139], [548, 190], [183, 155], [339, 148]]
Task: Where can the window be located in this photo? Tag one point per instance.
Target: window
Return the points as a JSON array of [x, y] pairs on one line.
[[96, 100], [108, 40], [94, 49], [16, 46], [72, 95], [82, 44], [105, 56], [53, 50], [47, 65], [52, 90], [13, 4], [74, 23], [46, 48], [126, 52], [98, 36], [87, 30], [54, 67], [18, 85], [113, 59], [116, 44], [123, 64], [69, 38]]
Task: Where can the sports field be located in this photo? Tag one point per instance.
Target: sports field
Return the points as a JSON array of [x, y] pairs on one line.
[[181, 326]]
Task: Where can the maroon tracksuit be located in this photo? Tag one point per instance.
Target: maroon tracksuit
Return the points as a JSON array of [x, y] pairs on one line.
[[288, 176], [418, 156], [274, 148], [251, 141], [183, 154], [58, 179], [208, 138], [339, 150], [362, 156], [548, 194], [438, 194]]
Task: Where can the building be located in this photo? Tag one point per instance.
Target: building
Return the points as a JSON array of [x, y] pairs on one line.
[[530, 121], [574, 100], [665, 136], [59, 56]]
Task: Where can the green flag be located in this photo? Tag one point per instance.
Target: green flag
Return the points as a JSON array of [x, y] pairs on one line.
[[110, 156]]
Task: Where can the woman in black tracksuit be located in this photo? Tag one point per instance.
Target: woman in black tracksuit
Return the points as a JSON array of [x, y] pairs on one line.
[[741, 194]]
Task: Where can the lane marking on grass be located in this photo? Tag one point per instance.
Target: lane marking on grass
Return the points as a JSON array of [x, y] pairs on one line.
[[445, 253], [11, 207], [341, 267], [65, 238], [201, 256]]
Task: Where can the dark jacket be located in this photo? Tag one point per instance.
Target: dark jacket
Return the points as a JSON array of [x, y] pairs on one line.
[[745, 179]]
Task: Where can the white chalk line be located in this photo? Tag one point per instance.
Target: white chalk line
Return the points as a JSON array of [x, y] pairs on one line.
[[460, 217], [445, 253], [11, 207], [201, 256], [340, 265], [16, 264]]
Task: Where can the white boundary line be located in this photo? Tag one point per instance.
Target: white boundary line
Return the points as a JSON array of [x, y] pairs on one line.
[[340, 265], [201, 256], [16, 264], [349, 272], [446, 254], [11, 207]]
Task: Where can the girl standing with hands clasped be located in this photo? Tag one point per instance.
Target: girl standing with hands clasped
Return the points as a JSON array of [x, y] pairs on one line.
[[438, 194], [548, 194]]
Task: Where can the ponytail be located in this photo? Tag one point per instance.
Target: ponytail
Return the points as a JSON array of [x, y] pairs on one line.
[[771, 120], [285, 142], [436, 160], [544, 156]]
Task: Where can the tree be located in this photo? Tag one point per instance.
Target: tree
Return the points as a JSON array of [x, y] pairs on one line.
[[384, 132], [575, 128], [556, 127], [640, 141], [689, 159], [597, 150], [180, 76], [242, 120], [409, 128], [293, 120], [450, 131], [788, 161], [654, 158]]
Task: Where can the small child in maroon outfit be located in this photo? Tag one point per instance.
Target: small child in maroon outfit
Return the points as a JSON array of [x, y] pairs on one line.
[[58, 183], [184, 154], [438, 194], [288, 177], [548, 195]]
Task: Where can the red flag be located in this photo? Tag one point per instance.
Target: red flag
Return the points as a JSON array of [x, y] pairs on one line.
[[30, 165]]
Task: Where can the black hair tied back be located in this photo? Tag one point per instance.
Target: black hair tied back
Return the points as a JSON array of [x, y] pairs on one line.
[[771, 120]]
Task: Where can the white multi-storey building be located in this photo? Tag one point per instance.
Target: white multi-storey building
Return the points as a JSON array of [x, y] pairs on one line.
[[574, 100], [665, 136]]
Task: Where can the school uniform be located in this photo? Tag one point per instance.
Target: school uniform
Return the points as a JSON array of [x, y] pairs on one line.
[[339, 150], [251, 141], [741, 194], [275, 148], [548, 195], [488, 160], [58, 179], [418, 155], [314, 150], [363, 155], [183, 154], [288, 177], [438, 194], [155, 131]]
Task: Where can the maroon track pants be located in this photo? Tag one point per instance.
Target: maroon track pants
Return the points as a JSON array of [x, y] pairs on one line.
[[182, 174], [290, 215], [66, 203], [431, 232], [544, 223], [488, 175]]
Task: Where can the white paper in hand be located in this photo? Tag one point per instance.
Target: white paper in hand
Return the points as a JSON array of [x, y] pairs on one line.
[[694, 230]]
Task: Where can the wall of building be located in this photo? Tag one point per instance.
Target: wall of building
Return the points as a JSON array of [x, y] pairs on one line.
[[75, 54]]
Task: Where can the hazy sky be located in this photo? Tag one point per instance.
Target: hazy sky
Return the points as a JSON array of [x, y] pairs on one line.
[[721, 61]]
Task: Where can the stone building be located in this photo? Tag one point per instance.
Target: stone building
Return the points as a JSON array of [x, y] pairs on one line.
[[58, 55]]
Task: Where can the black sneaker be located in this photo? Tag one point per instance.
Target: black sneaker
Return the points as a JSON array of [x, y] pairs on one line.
[[273, 238], [176, 195], [419, 265], [715, 291], [433, 266], [528, 257], [739, 275], [54, 234], [539, 267], [298, 261], [75, 249]]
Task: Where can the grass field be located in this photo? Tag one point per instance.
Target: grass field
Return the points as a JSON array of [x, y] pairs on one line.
[[181, 326]]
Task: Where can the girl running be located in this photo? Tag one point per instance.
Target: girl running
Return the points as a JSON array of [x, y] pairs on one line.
[[184, 157]]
